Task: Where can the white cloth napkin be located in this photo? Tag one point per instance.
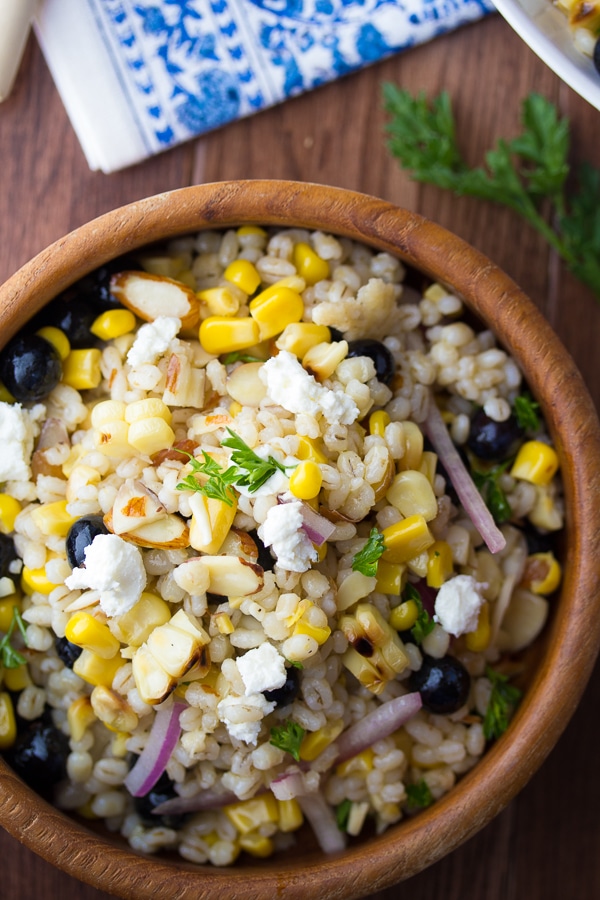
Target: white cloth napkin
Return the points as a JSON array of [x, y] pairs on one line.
[[139, 76]]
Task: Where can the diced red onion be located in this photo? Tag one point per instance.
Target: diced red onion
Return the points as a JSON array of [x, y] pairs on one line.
[[428, 595], [322, 820], [205, 800], [289, 785], [377, 725], [316, 527], [152, 761], [461, 480]]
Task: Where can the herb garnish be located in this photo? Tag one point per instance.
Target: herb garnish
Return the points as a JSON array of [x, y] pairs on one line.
[[288, 737], [248, 470], [503, 701], [424, 624], [342, 814], [11, 658], [488, 484], [525, 408], [418, 795], [366, 560], [526, 174], [238, 356]]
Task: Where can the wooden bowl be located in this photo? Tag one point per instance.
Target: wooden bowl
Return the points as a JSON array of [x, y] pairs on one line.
[[561, 664]]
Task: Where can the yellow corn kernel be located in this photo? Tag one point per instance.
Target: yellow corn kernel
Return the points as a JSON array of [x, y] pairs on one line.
[[57, 338], [72, 461], [428, 466], [536, 462], [87, 632], [389, 578], [112, 439], [290, 815], [321, 551], [299, 337], [439, 564], [113, 324], [404, 616], [413, 446], [220, 334], [246, 230], [118, 746], [150, 435], [235, 409], [113, 710], [256, 844], [5, 394], [378, 422], [411, 493], [17, 679], [210, 523], [150, 408], [542, 573], [323, 359], [361, 764], [477, 641], [243, 274], [314, 742], [81, 369], [406, 539], [318, 632], [309, 264], [36, 580], [9, 510], [95, 669], [107, 411], [306, 480], [137, 624], [8, 723], [80, 716], [310, 448], [7, 607], [545, 513], [219, 301], [248, 815], [223, 622], [435, 292], [274, 308], [53, 518]]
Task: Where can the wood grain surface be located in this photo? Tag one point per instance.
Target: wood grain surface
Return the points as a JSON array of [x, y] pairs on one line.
[[544, 846]]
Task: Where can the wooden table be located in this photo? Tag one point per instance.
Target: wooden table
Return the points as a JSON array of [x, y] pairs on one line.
[[545, 845]]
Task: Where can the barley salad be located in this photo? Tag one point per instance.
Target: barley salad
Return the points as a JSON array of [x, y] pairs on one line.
[[277, 521]]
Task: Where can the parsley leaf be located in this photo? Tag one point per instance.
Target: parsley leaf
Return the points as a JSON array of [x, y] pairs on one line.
[[424, 624], [257, 470], [342, 814], [528, 173], [288, 737], [503, 701], [218, 485], [11, 658], [418, 795], [366, 560], [239, 356], [488, 483], [525, 408]]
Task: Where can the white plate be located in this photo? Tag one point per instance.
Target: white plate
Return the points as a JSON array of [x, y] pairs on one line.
[[545, 29]]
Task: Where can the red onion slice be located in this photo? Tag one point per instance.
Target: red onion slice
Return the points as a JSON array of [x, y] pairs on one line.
[[377, 725], [316, 527], [322, 820], [153, 759], [205, 800], [462, 482], [289, 785]]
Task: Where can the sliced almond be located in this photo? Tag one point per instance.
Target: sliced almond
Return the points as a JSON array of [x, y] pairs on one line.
[[239, 543], [167, 533], [53, 434], [150, 296], [135, 505], [231, 576]]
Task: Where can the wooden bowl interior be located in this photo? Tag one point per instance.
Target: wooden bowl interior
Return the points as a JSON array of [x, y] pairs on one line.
[[558, 666]]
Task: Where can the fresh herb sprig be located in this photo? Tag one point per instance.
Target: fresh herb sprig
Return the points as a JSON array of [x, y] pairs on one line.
[[248, 470], [488, 484], [342, 814], [526, 412], [418, 795], [502, 704], [528, 173], [424, 624], [367, 559], [288, 737], [11, 658]]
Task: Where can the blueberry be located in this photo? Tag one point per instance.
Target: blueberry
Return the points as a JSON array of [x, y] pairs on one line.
[[162, 791], [286, 694], [67, 651], [39, 756], [379, 353], [7, 554], [444, 684], [492, 440], [264, 554], [81, 534], [30, 367]]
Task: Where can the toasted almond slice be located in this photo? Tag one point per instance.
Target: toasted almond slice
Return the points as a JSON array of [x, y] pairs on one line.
[[151, 296], [167, 533], [229, 576], [135, 505]]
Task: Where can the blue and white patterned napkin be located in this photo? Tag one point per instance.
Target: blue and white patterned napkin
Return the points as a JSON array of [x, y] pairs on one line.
[[140, 76]]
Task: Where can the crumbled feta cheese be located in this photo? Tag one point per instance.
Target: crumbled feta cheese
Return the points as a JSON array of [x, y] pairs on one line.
[[18, 429], [282, 530], [115, 568], [291, 386], [458, 603], [152, 340], [262, 669], [242, 716]]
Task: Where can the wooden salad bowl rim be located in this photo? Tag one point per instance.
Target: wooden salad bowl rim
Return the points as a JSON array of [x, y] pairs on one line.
[[567, 651]]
